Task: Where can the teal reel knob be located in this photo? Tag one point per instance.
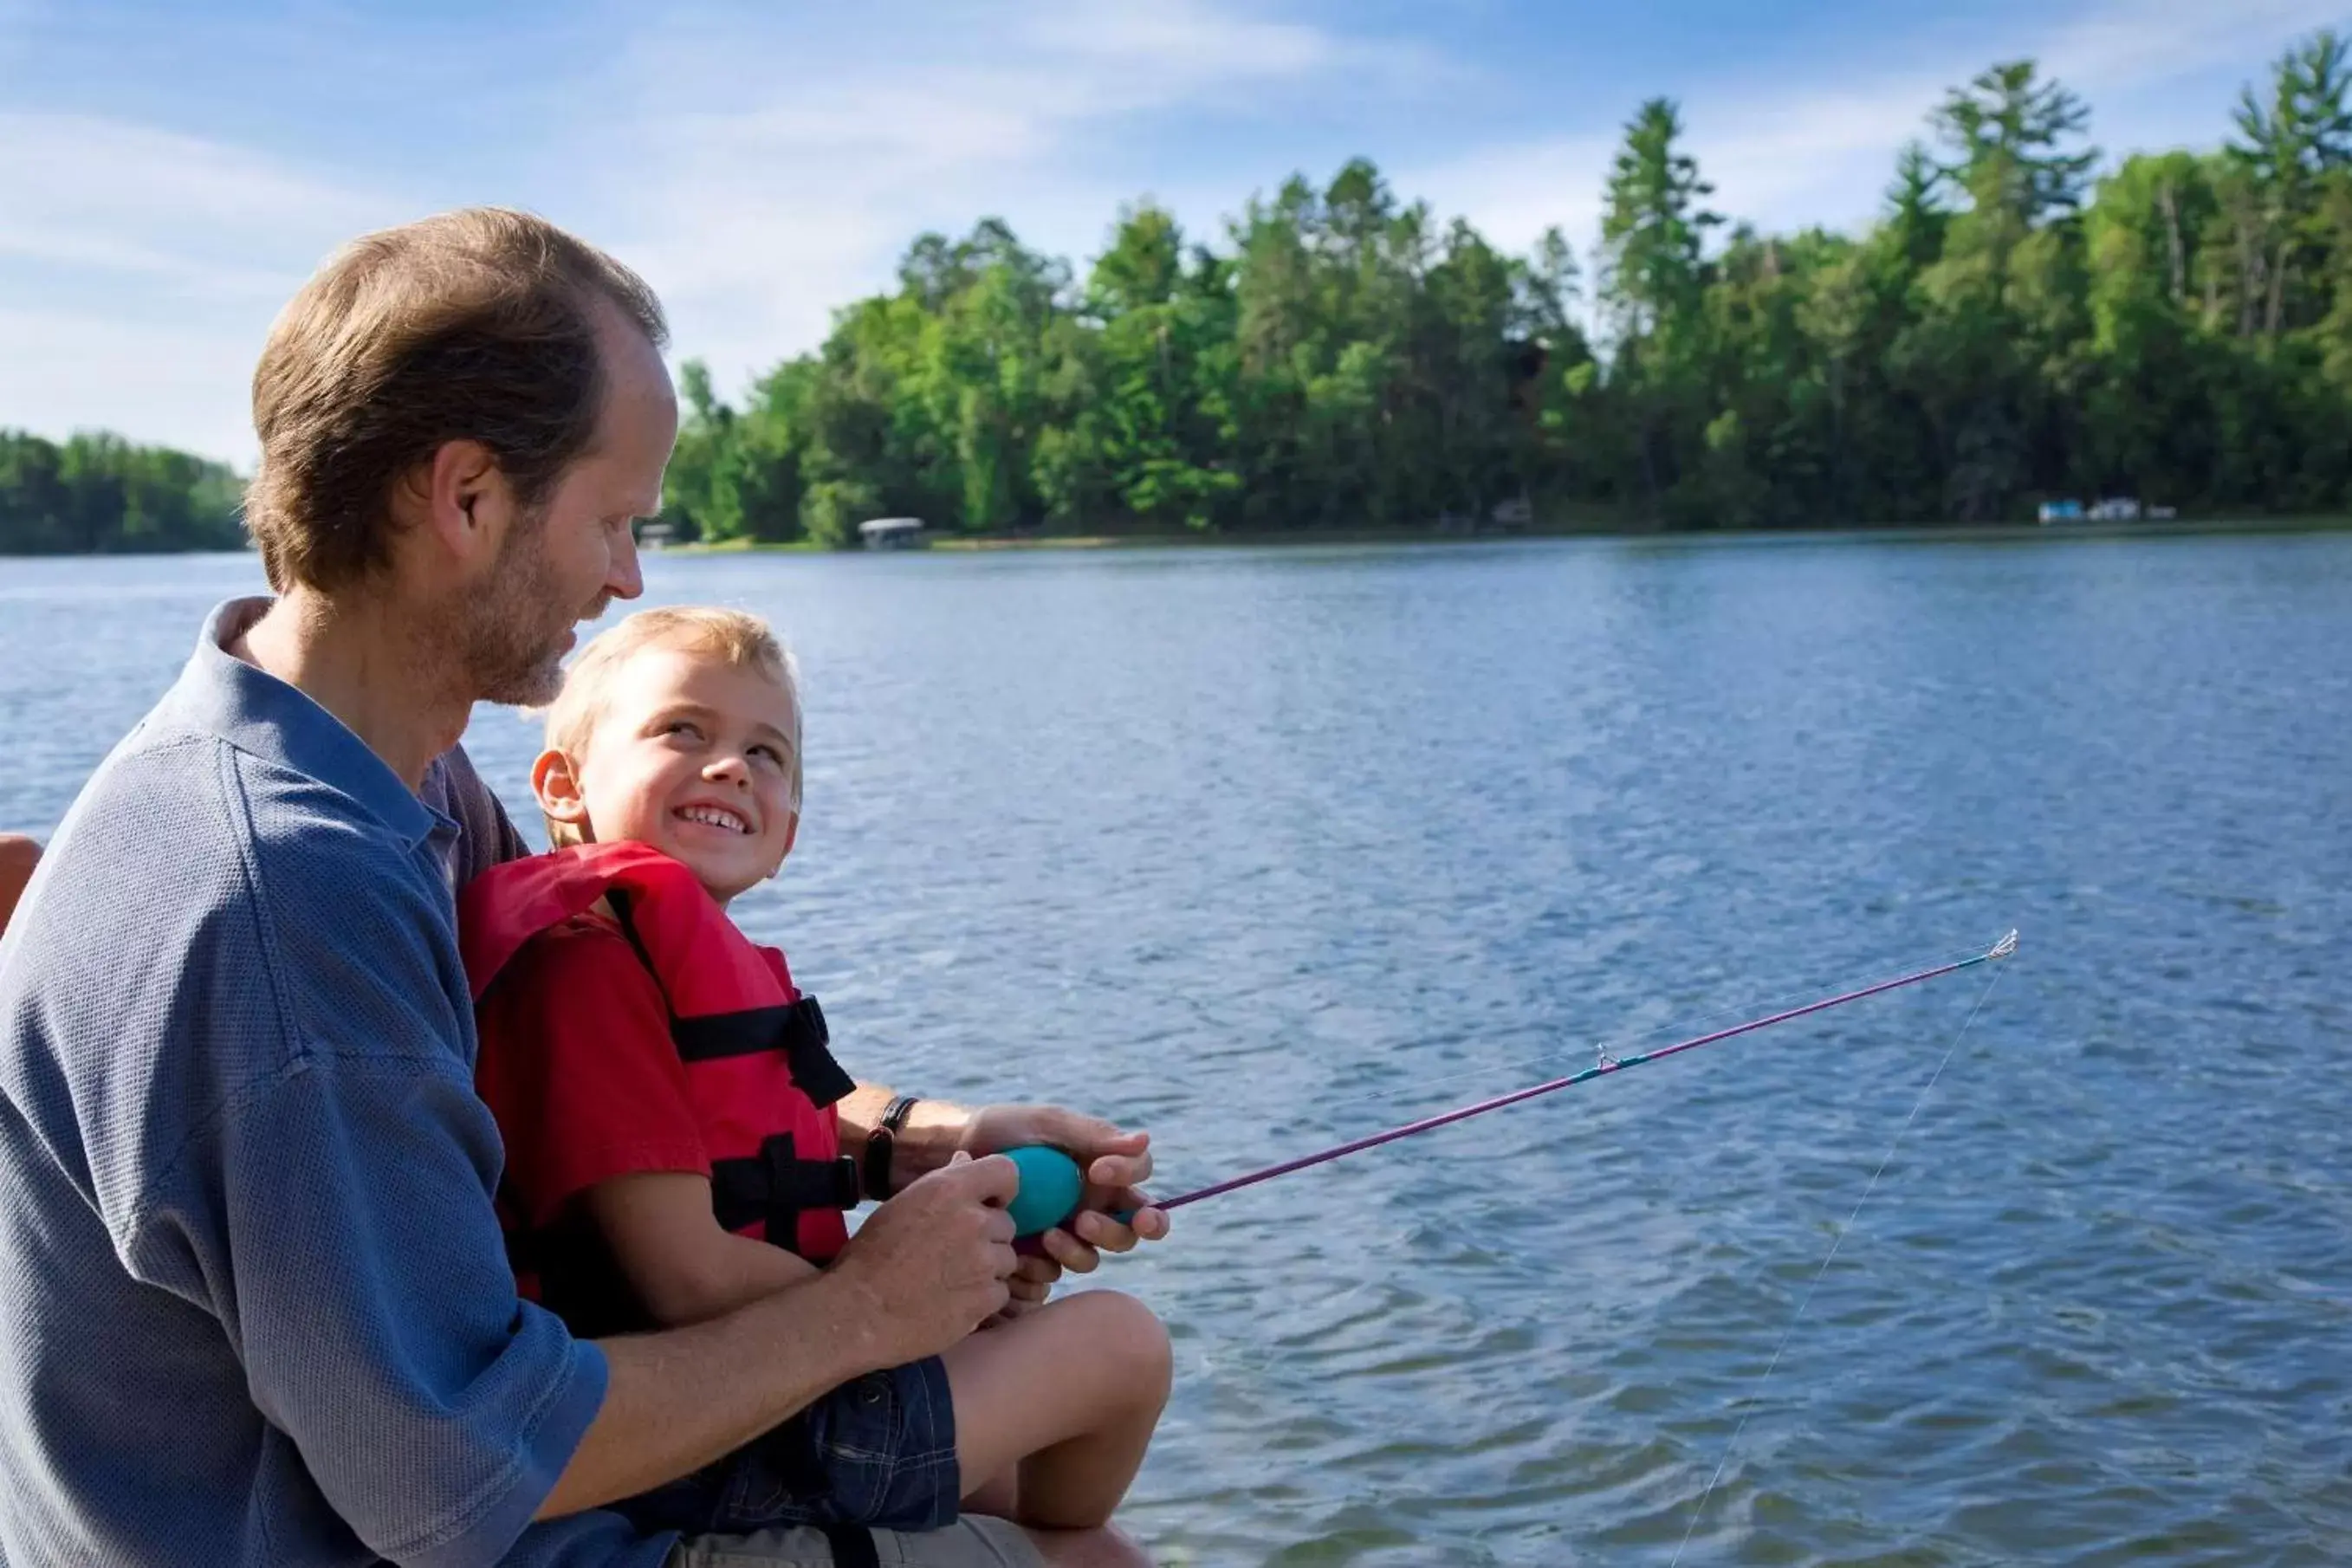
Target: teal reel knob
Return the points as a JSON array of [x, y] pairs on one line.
[[1051, 1186]]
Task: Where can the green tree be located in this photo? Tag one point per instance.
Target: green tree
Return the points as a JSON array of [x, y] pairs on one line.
[[2288, 150], [1653, 277], [100, 493], [2006, 330]]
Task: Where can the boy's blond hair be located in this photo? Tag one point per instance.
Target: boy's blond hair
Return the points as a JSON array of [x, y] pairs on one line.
[[733, 637]]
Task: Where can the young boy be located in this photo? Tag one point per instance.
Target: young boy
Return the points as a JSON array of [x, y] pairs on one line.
[[666, 1096]]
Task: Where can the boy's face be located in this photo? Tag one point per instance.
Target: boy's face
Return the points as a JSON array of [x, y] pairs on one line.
[[694, 756]]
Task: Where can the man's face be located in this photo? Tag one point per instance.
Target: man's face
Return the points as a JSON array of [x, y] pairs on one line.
[[578, 553]]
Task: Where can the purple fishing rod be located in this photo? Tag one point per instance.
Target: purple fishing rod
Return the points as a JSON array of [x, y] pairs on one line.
[[1608, 1064]]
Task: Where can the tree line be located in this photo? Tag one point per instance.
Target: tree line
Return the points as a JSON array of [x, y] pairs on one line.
[[2009, 329], [2012, 328], [99, 494]]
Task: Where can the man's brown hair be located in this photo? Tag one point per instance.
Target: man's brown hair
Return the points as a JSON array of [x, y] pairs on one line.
[[475, 325]]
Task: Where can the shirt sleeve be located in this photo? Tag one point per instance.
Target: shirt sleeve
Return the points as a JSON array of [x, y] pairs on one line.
[[341, 1222], [579, 1068]]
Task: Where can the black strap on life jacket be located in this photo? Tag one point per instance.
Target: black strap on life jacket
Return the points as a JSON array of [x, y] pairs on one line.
[[769, 1188], [797, 1030], [773, 1186]]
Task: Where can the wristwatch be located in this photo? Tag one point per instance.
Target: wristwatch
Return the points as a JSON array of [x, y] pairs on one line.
[[882, 1143]]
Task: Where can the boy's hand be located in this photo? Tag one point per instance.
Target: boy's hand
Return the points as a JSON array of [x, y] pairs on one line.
[[1029, 1285], [1115, 1163]]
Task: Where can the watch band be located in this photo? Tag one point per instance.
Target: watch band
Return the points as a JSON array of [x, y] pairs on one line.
[[882, 1143]]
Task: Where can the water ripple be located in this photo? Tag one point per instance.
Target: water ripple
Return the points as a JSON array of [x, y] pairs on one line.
[[1267, 850]]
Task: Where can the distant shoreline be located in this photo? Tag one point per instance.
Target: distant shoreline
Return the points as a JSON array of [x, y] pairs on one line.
[[1276, 539], [1921, 533]]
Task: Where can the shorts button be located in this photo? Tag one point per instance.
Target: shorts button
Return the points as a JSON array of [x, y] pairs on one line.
[[872, 1393]]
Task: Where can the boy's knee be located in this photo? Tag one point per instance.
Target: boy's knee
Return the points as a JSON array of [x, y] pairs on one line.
[[1133, 1333]]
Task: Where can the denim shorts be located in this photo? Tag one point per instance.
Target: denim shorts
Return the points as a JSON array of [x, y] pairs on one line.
[[879, 1451]]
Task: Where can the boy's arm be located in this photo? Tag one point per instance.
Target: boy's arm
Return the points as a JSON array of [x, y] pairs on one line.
[[926, 1140], [683, 1267]]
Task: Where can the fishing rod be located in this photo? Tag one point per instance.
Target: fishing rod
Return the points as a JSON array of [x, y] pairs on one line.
[[1052, 1184]]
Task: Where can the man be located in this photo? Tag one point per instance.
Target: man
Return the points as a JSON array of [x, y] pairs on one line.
[[258, 1310]]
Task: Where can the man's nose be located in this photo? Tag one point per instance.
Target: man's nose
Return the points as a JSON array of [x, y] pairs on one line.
[[623, 579]]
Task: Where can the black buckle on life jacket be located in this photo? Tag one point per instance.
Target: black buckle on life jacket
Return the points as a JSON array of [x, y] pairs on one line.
[[773, 1187], [798, 1030]]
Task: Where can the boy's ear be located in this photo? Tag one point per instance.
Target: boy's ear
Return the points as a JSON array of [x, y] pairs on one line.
[[557, 787]]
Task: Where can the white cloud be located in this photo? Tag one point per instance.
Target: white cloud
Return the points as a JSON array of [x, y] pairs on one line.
[[2133, 43], [1812, 151], [187, 385], [87, 191], [143, 268], [761, 192], [764, 168], [761, 175]]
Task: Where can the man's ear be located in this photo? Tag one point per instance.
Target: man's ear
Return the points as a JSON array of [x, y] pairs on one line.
[[556, 783], [460, 501]]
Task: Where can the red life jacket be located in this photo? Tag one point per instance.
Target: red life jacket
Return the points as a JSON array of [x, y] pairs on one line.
[[757, 1066]]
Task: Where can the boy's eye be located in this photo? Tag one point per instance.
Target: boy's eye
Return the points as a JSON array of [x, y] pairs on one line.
[[770, 752], [686, 727]]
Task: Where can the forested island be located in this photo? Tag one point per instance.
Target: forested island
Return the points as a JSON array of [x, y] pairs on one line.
[[99, 494], [2011, 329]]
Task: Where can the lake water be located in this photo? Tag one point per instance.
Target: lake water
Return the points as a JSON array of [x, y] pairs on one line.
[[1264, 849]]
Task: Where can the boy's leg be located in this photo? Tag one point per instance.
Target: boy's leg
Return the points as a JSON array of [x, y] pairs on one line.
[[999, 1494], [967, 1544], [1069, 1394]]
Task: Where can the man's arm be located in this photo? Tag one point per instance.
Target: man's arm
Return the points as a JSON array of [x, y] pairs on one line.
[[341, 1227], [19, 856], [926, 1268], [358, 1268]]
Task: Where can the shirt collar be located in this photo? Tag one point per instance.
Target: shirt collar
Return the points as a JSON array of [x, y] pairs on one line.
[[253, 711]]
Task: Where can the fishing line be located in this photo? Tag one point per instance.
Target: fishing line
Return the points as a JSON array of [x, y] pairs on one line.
[[1616, 1045], [1049, 1206], [1699, 1511]]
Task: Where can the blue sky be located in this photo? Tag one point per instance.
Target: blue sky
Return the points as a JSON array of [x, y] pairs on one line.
[[167, 178]]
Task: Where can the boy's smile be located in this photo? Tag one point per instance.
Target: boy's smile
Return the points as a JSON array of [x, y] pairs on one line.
[[700, 758]]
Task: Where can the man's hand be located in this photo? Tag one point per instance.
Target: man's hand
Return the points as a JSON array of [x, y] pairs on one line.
[[935, 1259], [1114, 1164]]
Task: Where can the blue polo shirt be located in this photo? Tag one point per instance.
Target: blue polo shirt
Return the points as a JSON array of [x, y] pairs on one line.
[[253, 1306]]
